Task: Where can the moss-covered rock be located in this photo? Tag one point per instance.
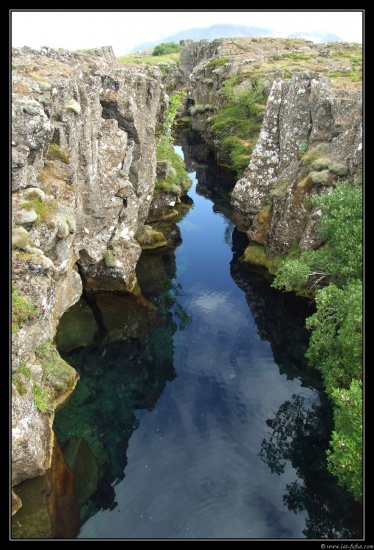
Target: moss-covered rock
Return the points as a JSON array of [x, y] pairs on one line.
[[149, 238]]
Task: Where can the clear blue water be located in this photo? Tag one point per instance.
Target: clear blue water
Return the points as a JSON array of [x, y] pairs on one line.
[[231, 443]]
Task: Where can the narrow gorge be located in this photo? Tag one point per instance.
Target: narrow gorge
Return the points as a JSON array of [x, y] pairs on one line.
[[91, 190]]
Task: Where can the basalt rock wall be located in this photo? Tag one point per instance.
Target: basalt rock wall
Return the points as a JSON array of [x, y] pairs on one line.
[[310, 138], [311, 134], [83, 175]]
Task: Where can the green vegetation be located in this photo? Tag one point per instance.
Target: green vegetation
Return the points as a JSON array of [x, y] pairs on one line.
[[238, 123], [22, 311], [218, 62], [354, 75], [55, 152], [293, 56], [45, 210], [169, 59], [18, 379], [303, 147], [177, 179], [41, 398], [255, 254], [109, 258], [58, 376], [175, 102], [150, 238], [333, 275], [166, 48]]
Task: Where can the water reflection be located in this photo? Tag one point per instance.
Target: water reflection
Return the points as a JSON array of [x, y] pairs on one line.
[[301, 428], [203, 463], [300, 434], [122, 347]]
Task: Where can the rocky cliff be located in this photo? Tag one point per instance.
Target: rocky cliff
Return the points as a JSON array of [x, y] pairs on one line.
[[83, 185], [83, 176], [311, 137], [311, 133]]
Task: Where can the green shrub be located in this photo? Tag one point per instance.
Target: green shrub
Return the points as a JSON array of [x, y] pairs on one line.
[[166, 48], [333, 275]]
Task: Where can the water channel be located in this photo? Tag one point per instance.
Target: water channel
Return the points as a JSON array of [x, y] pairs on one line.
[[201, 411]]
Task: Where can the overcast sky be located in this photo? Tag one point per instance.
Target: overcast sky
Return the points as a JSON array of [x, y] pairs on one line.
[[126, 29]]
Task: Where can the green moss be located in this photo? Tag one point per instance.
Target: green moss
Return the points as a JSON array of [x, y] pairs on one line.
[[200, 109], [294, 251], [41, 398], [19, 383], [57, 373], [311, 156], [279, 190], [22, 311], [55, 152], [109, 258], [44, 209], [293, 56], [169, 187], [149, 238], [20, 238], [352, 74], [72, 106], [321, 163], [237, 125], [218, 62], [170, 59], [177, 180], [256, 255], [23, 369], [320, 178], [339, 169]]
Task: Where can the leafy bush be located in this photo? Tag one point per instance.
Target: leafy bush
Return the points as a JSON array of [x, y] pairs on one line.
[[333, 273], [166, 48]]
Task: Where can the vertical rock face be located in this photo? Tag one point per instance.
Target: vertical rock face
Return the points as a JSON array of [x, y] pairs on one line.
[[311, 136], [311, 131], [83, 174]]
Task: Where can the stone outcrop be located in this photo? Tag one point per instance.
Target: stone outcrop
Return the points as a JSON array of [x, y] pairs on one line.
[[83, 175], [310, 137], [83, 187], [311, 133]]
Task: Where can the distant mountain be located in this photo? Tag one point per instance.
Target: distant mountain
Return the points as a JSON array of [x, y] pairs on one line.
[[230, 31], [316, 36], [208, 33]]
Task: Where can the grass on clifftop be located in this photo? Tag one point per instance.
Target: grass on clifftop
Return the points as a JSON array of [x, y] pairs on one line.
[[150, 59]]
